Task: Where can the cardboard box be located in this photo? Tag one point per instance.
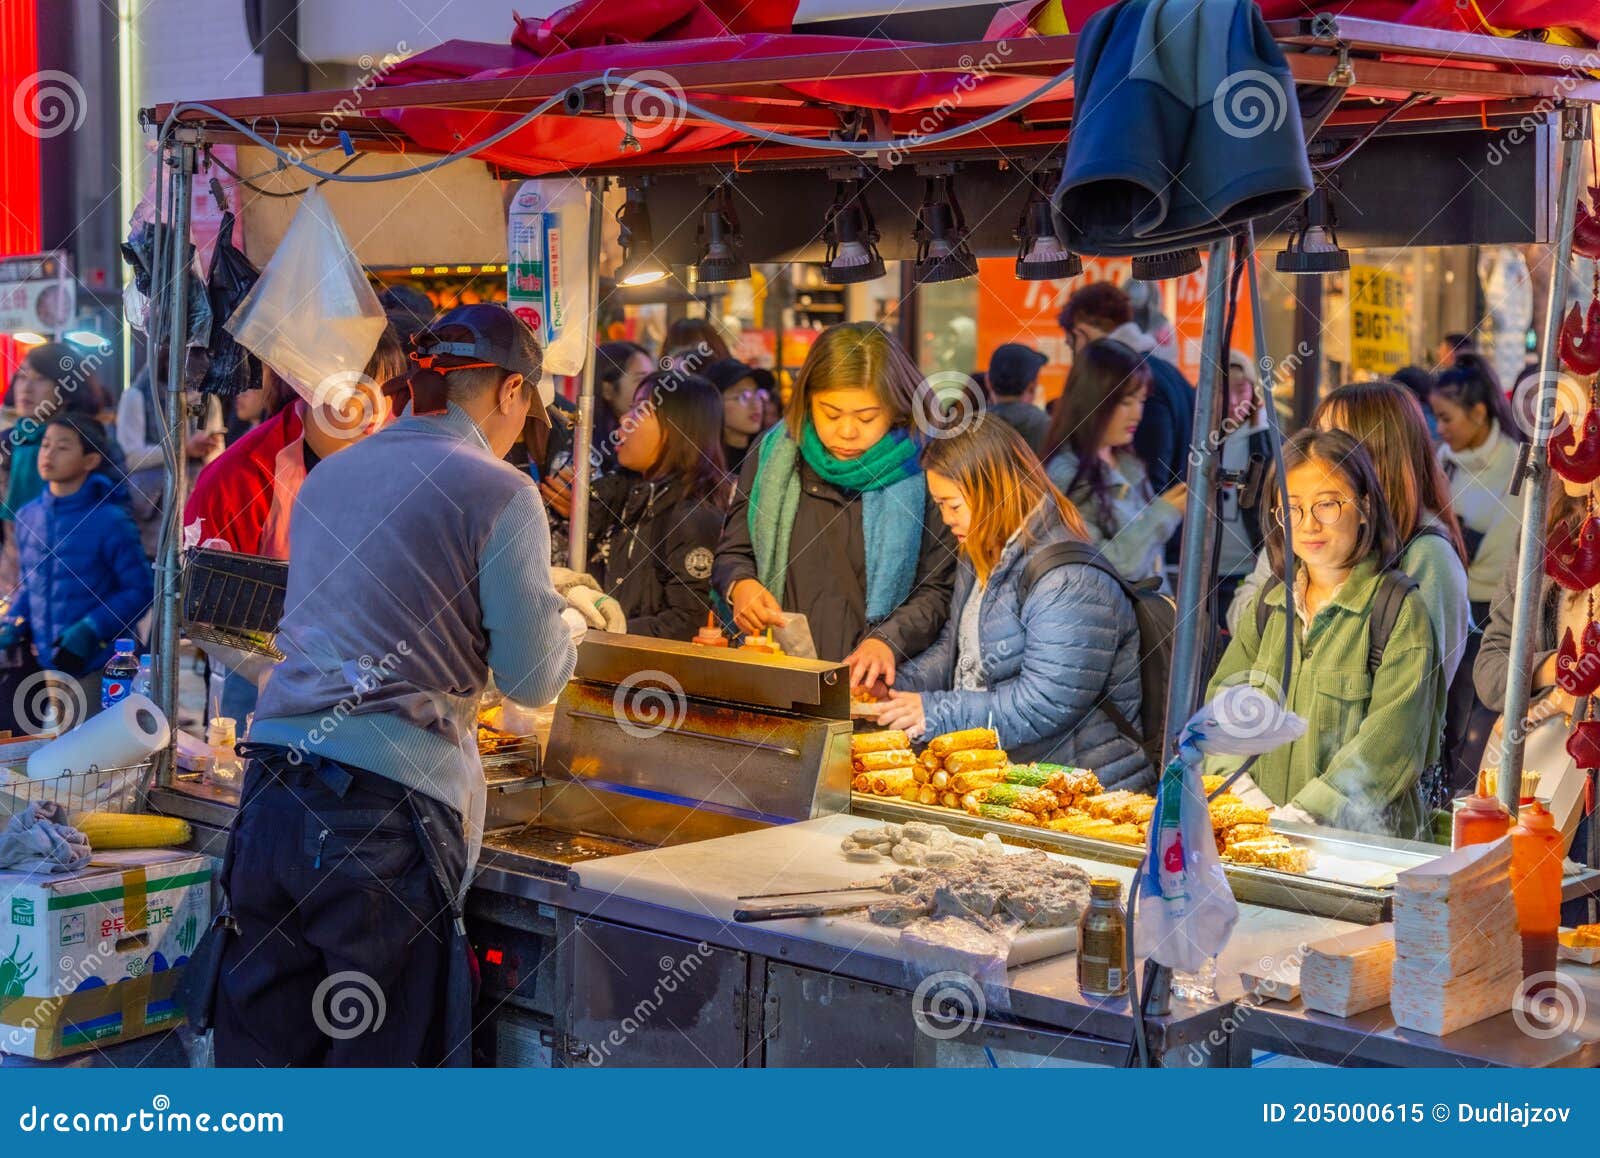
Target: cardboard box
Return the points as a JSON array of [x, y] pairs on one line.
[[92, 957]]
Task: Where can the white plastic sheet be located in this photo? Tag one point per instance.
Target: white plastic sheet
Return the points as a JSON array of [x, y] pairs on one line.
[[313, 316], [1186, 909]]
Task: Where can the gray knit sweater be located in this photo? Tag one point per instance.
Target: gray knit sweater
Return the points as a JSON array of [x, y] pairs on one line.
[[419, 564]]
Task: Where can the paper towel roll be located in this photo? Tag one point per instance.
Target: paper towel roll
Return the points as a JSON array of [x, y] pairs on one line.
[[123, 734]]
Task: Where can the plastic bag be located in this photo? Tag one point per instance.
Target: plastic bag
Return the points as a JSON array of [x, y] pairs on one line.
[[1186, 909], [547, 279], [232, 368], [313, 316], [147, 239]]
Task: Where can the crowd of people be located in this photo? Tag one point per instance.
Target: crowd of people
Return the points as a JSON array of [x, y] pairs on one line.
[[907, 550], [720, 499]]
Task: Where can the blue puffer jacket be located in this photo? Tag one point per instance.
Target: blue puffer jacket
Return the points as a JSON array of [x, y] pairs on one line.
[[80, 558], [1044, 666]]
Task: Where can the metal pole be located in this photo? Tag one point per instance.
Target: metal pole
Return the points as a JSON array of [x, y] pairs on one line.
[[1526, 609], [583, 433], [182, 159], [1199, 516]]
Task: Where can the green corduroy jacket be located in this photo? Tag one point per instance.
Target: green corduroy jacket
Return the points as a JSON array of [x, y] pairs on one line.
[[1368, 737]]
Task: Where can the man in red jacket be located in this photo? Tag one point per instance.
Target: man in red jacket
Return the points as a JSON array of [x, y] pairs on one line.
[[244, 498]]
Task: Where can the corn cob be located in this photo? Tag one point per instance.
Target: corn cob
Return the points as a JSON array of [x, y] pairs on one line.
[[971, 761], [1031, 775], [1009, 815], [1019, 796], [132, 830], [964, 782]]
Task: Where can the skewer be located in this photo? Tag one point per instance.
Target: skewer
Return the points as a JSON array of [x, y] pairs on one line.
[[817, 892]]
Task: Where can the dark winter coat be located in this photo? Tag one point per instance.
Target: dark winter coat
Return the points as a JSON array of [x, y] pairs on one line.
[[80, 558], [827, 576]]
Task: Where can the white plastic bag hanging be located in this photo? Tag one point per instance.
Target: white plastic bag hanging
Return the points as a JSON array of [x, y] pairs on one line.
[[1186, 910], [548, 270], [313, 316]]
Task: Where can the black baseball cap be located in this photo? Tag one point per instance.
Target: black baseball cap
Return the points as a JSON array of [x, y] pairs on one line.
[[1013, 367], [485, 332], [729, 372]]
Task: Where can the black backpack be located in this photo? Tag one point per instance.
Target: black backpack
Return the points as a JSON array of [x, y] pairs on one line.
[[1393, 587], [1157, 616]]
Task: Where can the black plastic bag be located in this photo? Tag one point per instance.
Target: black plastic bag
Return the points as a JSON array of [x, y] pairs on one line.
[[233, 368]]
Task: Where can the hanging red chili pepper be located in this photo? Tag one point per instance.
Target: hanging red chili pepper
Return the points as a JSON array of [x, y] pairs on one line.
[[1583, 745], [1580, 339], [1586, 229], [1581, 464]]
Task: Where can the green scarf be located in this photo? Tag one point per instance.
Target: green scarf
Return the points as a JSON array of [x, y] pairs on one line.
[[891, 487]]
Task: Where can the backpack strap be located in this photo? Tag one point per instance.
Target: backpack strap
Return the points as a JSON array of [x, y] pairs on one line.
[[1393, 587], [1263, 612], [1047, 559]]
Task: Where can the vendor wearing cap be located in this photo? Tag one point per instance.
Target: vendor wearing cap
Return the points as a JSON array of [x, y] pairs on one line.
[[1014, 378], [419, 567], [745, 391]]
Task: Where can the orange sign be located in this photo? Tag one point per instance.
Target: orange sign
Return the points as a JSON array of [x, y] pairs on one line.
[[1025, 311]]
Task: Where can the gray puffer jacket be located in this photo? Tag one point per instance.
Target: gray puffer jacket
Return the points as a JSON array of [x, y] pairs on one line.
[[1045, 665]]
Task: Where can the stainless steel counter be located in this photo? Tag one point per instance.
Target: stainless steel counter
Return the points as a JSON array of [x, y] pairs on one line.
[[1372, 1039]]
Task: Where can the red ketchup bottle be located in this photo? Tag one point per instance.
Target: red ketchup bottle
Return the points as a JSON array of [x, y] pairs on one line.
[[1481, 819], [1536, 856]]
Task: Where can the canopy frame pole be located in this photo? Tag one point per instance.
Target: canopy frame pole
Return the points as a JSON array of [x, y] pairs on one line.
[[1527, 607], [181, 157], [1199, 516], [583, 431]]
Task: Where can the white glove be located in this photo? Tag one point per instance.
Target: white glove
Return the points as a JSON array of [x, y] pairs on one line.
[[564, 579], [1249, 792], [576, 627], [1294, 814], [599, 610]]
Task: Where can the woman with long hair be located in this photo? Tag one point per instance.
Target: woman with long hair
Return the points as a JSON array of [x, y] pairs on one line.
[[1090, 458], [1372, 726], [1387, 420], [1041, 666], [657, 527], [832, 517], [1481, 445], [1245, 437]]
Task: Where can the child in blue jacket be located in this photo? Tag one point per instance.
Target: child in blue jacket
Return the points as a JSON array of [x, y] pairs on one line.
[[85, 580]]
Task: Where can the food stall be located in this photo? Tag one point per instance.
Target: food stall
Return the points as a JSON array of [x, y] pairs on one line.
[[678, 782]]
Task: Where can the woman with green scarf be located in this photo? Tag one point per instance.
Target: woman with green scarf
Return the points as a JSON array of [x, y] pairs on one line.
[[832, 517]]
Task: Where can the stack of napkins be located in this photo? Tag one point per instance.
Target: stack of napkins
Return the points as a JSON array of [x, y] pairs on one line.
[[1458, 958], [1349, 974]]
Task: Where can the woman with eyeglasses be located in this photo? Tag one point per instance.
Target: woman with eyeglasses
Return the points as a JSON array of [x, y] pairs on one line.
[[1089, 455], [832, 516], [1366, 675], [745, 390]]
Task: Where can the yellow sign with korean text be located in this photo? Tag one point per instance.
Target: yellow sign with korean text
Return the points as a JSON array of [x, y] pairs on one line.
[[1380, 335]]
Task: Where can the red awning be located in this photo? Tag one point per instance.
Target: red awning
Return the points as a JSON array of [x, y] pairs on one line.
[[644, 41]]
